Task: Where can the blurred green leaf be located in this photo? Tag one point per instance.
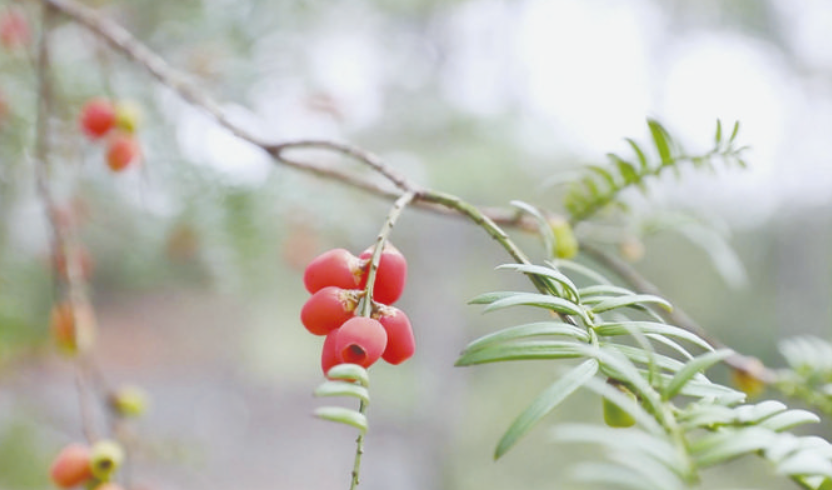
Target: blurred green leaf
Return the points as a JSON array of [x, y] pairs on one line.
[[340, 388], [545, 403], [350, 372], [691, 369], [343, 416], [539, 300], [529, 330], [660, 139], [634, 300], [521, 351]]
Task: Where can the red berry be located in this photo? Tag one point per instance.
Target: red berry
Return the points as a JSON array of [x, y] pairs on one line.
[[390, 276], [329, 356], [328, 309], [400, 341], [72, 466], [122, 151], [14, 29], [98, 117], [338, 267], [361, 341]]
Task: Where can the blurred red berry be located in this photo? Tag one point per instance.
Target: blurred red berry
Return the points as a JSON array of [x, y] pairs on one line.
[[390, 276], [14, 29], [400, 342], [329, 356], [337, 267], [361, 341], [122, 151], [98, 117], [72, 466], [327, 310], [73, 327]]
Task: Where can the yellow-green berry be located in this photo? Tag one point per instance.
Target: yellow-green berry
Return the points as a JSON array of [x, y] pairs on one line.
[[614, 415], [128, 116], [129, 401], [566, 245], [106, 459]]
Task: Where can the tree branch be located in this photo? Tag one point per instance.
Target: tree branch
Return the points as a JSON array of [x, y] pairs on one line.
[[489, 219]]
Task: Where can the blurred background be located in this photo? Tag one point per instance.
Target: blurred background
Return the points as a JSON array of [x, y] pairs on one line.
[[198, 254]]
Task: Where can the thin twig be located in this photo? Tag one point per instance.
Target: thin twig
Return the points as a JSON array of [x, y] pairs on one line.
[[488, 218], [62, 243], [381, 240]]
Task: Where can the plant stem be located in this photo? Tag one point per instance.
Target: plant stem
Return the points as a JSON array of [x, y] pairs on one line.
[[359, 451], [381, 240], [367, 309], [62, 242]]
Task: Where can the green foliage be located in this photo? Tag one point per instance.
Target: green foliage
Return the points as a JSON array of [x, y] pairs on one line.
[[809, 377], [347, 380], [21, 460], [602, 185], [683, 422]]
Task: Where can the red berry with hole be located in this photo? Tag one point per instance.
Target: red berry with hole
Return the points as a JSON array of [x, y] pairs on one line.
[[329, 356], [123, 150], [390, 276], [400, 342], [328, 309], [338, 267], [360, 341], [72, 466], [98, 117]]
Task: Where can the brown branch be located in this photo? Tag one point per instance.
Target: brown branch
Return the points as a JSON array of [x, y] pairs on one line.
[[488, 218], [124, 42], [62, 243]]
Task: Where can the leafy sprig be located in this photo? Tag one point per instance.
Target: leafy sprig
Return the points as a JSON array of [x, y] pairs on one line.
[[809, 375], [602, 185], [685, 422]]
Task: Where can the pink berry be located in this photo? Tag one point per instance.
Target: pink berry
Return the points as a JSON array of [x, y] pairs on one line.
[[327, 310], [400, 342], [390, 276], [337, 267], [361, 341]]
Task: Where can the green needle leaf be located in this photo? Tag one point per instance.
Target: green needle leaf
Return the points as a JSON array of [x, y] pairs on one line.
[[661, 141], [691, 369], [623, 328], [521, 351], [545, 403], [341, 388], [488, 298], [540, 300], [633, 300], [787, 420], [545, 272], [343, 416], [728, 444], [529, 330], [350, 372]]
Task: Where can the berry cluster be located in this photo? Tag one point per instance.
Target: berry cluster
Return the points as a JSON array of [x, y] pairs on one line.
[[100, 118], [337, 280], [77, 464]]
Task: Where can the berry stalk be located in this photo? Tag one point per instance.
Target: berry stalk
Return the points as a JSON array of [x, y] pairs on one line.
[[367, 309]]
